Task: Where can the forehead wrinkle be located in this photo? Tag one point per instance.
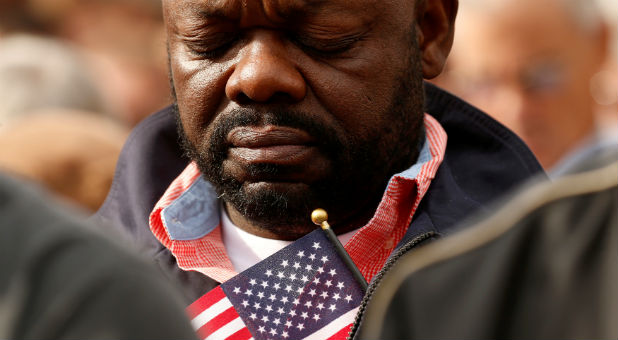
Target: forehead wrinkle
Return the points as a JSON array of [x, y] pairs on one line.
[[220, 9]]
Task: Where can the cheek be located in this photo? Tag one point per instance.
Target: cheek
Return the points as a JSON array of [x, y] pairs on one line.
[[355, 97], [200, 91]]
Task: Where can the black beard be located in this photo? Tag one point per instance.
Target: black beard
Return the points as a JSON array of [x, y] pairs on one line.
[[359, 171]]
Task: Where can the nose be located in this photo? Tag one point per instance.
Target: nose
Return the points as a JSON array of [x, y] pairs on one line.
[[265, 71]]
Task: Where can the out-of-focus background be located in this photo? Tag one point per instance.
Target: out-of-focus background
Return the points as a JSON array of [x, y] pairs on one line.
[[77, 75], [547, 69]]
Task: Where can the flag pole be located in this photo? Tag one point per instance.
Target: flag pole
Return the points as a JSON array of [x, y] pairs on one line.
[[320, 217]]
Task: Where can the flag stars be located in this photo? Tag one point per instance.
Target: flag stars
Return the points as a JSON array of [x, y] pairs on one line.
[[332, 272], [280, 275], [277, 286], [312, 257], [304, 315], [288, 323], [305, 279], [269, 273], [253, 316], [324, 259], [293, 277], [265, 318], [262, 329], [292, 313], [324, 294], [316, 317], [308, 304], [299, 290], [257, 306], [301, 254], [245, 303], [281, 311], [273, 331], [336, 296], [285, 335], [316, 245], [308, 267], [269, 308], [272, 297], [316, 281], [296, 265], [296, 302], [264, 284], [320, 270], [248, 292], [237, 290], [277, 321], [253, 282], [348, 298], [328, 283], [284, 300], [260, 295], [320, 306], [288, 288], [332, 307], [284, 263], [340, 285], [312, 293], [300, 326]]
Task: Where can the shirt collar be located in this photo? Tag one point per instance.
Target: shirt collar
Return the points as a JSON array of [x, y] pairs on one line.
[[186, 219]]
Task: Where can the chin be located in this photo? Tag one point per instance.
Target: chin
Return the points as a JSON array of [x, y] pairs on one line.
[[283, 208]]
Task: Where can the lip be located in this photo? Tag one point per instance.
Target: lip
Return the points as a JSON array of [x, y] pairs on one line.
[[270, 145], [265, 136]]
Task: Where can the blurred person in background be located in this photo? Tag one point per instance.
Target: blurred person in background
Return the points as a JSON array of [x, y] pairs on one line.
[[531, 64], [53, 124], [73, 153], [122, 40], [40, 73]]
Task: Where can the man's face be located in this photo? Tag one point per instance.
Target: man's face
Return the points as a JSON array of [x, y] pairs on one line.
[[288, 105]]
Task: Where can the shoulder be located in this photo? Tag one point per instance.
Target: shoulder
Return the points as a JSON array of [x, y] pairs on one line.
[[149, 161]]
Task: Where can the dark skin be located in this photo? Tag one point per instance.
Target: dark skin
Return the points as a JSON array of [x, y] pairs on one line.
[[341, 66]]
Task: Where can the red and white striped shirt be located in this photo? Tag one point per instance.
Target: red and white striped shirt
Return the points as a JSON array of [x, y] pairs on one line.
[[188, 224]]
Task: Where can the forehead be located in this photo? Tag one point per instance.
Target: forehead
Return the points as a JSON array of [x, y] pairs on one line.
[[279, 11], [509, 36]]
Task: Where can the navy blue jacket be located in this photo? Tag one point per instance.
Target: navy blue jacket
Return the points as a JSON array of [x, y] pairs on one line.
[[483, 160]]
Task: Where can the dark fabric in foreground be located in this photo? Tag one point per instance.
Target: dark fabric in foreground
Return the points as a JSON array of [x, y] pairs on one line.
[[62, 281]]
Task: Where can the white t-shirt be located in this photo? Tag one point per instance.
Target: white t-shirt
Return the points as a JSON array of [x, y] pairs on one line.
[[245, 249]]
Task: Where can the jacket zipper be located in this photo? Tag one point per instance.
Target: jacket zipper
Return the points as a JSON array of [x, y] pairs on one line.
[[374, 284]]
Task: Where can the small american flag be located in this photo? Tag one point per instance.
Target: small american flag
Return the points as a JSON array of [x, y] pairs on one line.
[[304, 291]]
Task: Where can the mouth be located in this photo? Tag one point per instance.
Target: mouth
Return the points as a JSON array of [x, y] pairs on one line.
[[271, 145]]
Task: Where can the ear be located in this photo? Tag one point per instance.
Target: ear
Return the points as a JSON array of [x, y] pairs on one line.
[[435, 28]]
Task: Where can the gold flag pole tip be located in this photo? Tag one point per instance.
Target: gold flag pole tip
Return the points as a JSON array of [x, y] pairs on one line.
[[320, 217]]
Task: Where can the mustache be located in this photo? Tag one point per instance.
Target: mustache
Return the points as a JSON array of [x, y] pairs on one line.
[[327, 140]]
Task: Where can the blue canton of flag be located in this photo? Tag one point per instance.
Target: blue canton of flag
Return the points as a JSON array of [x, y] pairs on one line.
[[304, 291]]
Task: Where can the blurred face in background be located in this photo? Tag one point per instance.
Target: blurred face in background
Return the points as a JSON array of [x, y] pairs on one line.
[[529, 65]]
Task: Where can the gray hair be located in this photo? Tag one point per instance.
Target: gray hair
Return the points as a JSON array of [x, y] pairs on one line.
[[40, 73]]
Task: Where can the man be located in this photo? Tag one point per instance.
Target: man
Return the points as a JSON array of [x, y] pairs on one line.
[[531, 66], [287, 106]]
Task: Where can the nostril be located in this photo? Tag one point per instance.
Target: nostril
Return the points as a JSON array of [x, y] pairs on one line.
[[242, 99]]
